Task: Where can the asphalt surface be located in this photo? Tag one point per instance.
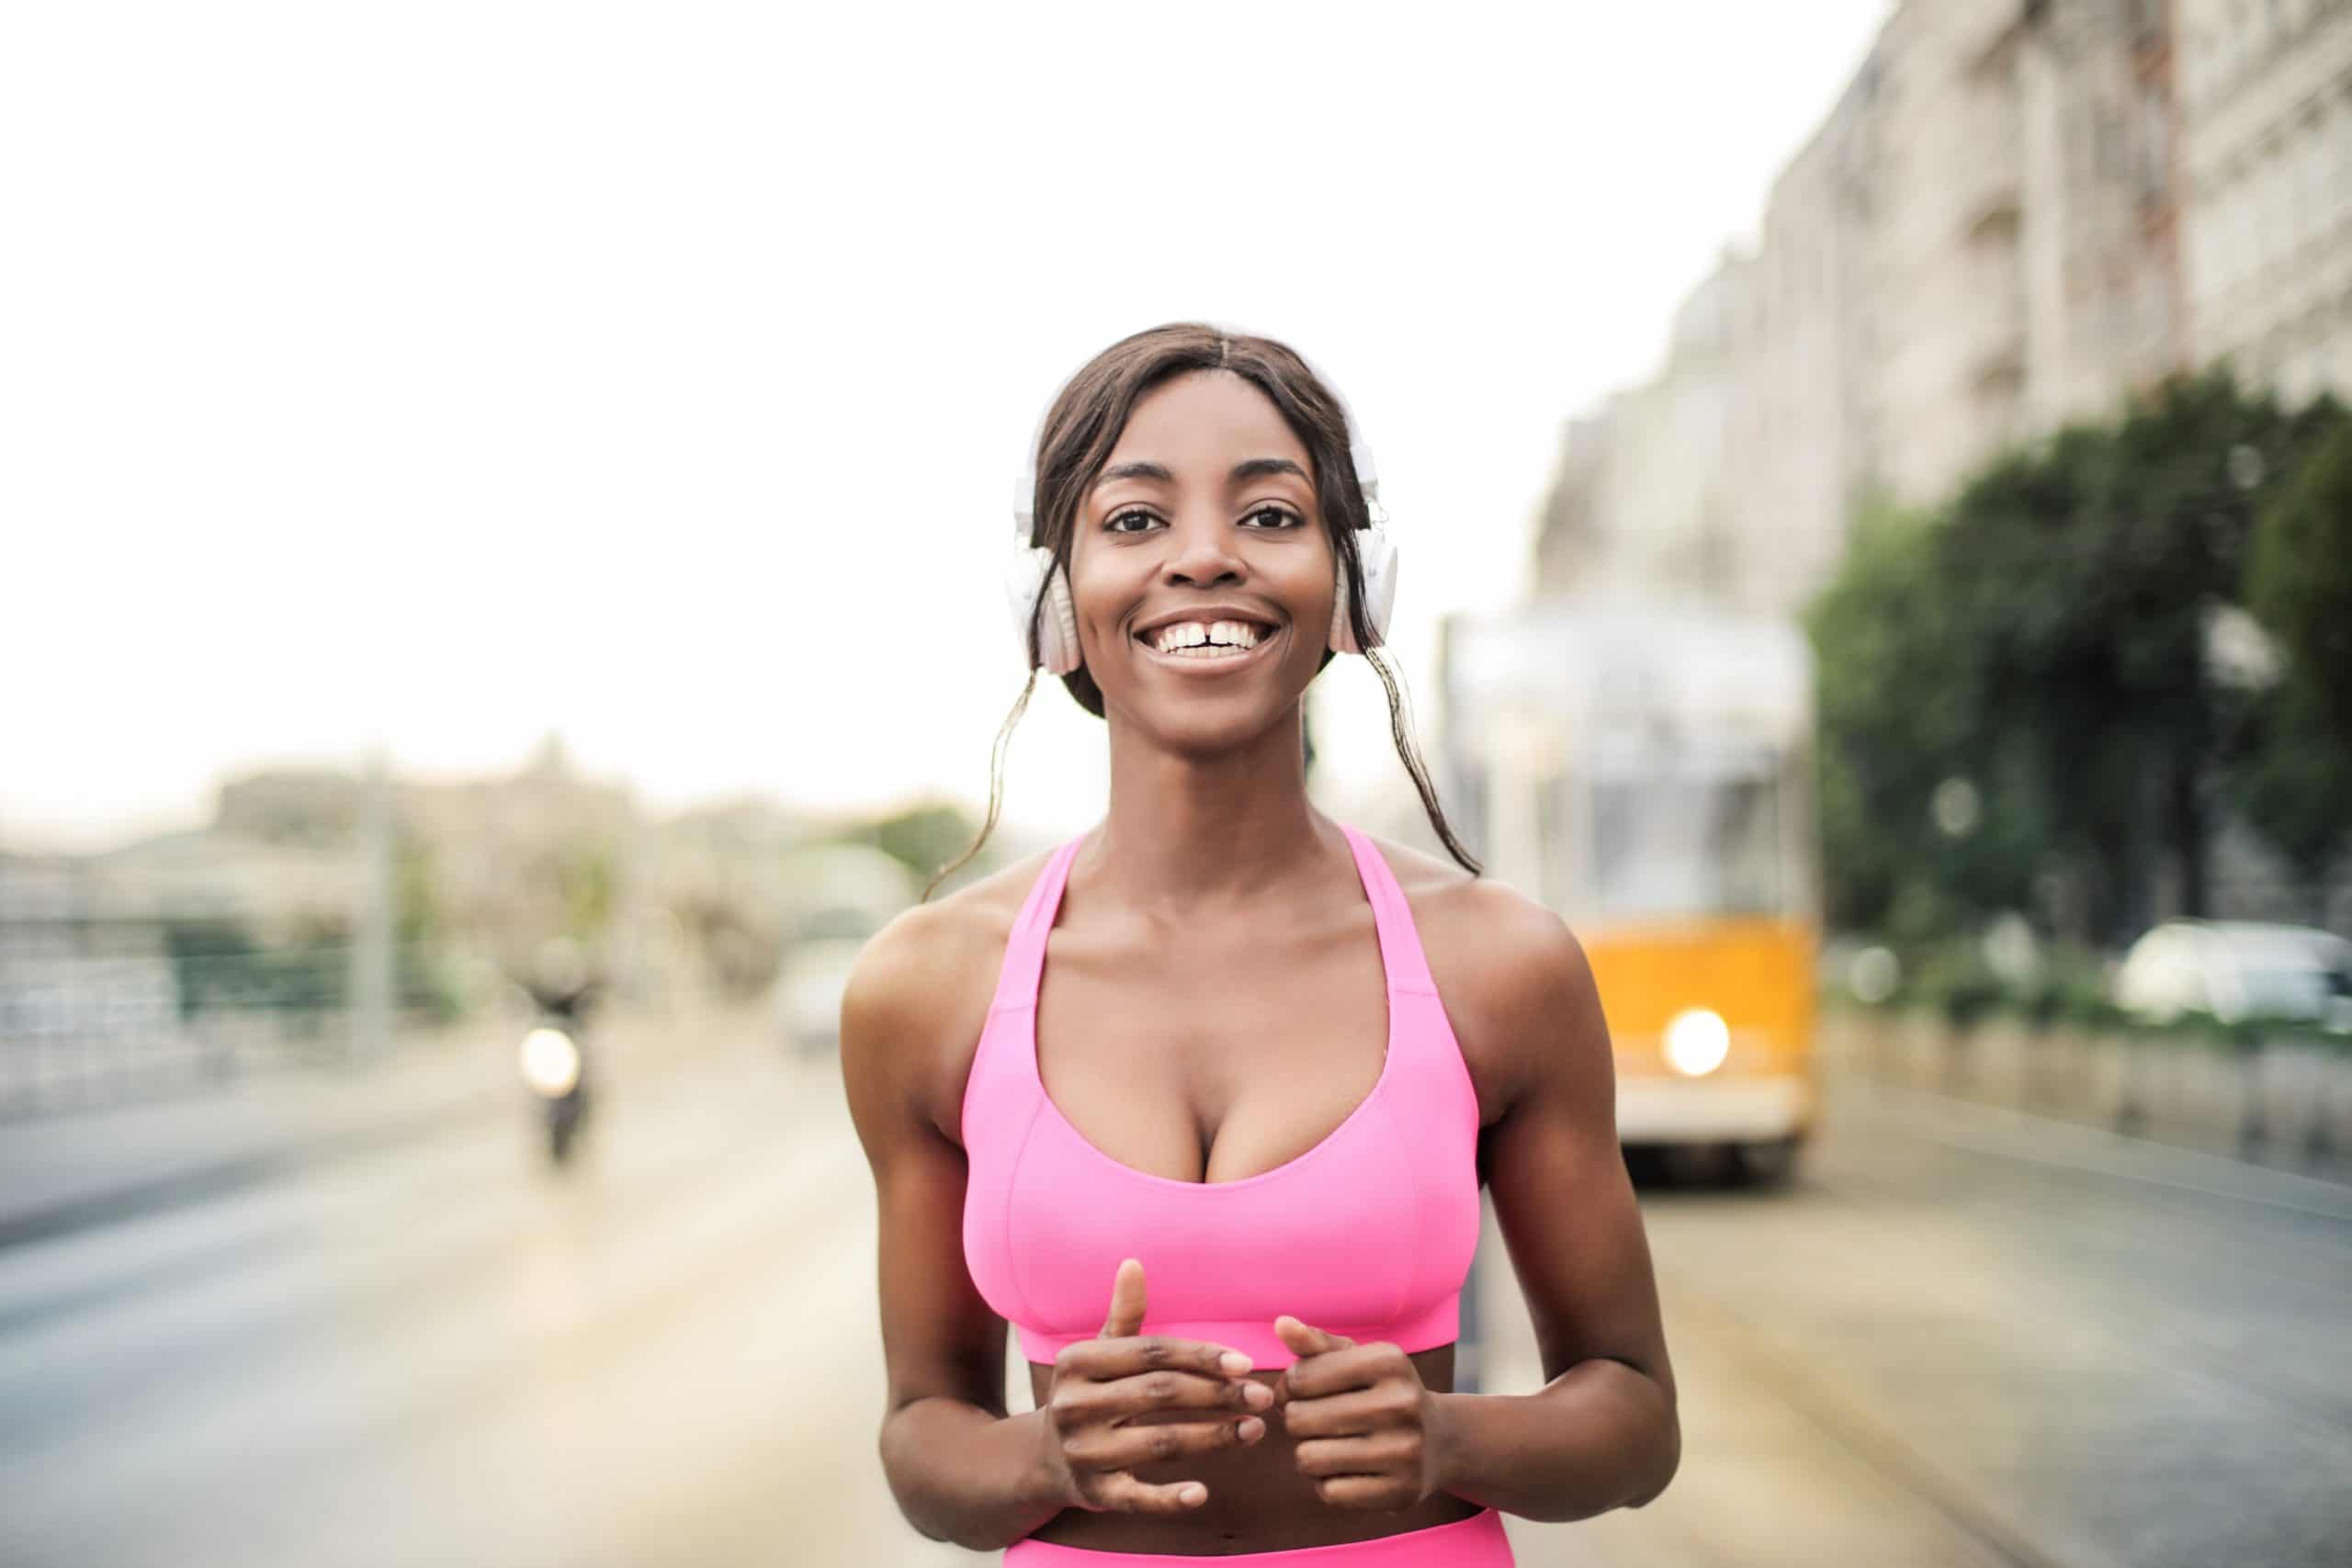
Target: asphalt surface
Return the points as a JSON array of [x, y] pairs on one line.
[[1959, 1337]]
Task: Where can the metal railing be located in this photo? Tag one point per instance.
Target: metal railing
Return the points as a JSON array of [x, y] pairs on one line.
[[82, 1032]]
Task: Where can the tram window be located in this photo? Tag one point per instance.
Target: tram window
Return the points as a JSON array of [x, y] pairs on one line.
[[1684, 846]]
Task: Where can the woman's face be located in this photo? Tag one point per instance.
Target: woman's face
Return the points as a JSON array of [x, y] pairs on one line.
[[1204, 514]]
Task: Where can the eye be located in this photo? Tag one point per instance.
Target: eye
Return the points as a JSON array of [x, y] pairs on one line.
[[1110, 524], [1284, 518]]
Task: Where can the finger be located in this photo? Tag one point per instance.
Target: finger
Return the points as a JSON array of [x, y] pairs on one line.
[[1307, 1340], [1334, 1371], [1382, 1455], [1123, 1494], [1348, 1414], [1371, 1493], [1117, 1399], [1100, 1358], [1137, 1448], [1127, 1300]]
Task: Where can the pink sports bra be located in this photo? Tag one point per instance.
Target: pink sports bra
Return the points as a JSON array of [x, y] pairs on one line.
[[1369, 1234]]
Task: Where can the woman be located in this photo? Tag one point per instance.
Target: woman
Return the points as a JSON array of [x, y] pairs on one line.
[[1179, 1099]]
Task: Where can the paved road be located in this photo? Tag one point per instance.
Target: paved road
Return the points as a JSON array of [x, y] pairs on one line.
[[1969, 1337], [1962, 1337]]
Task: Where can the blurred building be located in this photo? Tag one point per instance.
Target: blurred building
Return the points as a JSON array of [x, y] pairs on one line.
[[1980, 243], [1641, 495], [1944, 292], [505, 862], [1803, 413], [2099, 107], [2266, 115]]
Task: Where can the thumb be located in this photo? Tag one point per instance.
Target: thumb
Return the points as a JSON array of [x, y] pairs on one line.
[[1127, 1302], [1306, 1340]]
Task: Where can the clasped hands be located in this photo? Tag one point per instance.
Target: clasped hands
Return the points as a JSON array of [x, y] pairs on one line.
[[1363, 1422]]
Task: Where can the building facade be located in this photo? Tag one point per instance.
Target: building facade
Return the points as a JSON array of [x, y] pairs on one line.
[[2267, 170], [1983, 241], [1804, 417], [2098, 111]]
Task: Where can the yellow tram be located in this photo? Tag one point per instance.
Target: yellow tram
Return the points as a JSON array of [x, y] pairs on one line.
[[1647, 772]]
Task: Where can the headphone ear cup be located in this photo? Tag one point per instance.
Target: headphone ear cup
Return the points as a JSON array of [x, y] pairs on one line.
[[1057, 635], [1028, 574], [1376, 559]]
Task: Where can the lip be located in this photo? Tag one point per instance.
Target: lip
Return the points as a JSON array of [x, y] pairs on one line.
[[1205, 668]]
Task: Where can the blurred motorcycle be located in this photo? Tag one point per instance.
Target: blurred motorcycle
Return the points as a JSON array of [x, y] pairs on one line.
[[553, 1059]]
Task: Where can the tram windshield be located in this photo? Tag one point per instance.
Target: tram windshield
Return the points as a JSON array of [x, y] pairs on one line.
[[1681, 844]]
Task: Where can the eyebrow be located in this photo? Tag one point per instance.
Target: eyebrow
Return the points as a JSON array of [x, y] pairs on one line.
[[1247, 468]]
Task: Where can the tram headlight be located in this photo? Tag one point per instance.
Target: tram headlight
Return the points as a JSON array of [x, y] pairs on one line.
[[551, 1062], [1697, 1041]]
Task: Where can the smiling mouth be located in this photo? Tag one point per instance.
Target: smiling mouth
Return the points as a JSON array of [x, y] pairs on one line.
[[1207, 640]]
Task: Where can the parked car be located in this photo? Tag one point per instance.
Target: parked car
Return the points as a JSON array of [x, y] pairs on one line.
[[2238, 969]]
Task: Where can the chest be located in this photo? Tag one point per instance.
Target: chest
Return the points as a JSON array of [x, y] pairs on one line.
[[1210, 1054]]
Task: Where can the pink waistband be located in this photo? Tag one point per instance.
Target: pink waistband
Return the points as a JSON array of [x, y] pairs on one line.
[[1475, 1542]]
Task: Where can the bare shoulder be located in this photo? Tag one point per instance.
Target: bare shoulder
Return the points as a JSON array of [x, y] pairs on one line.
[[1482, 936], [1511, 973], [917, 999]]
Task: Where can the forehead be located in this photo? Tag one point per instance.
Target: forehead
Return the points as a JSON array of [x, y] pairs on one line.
[[1212, 418]]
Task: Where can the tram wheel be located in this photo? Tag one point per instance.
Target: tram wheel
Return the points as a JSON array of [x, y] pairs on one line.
[[1694, 1165], [1767, 1163]]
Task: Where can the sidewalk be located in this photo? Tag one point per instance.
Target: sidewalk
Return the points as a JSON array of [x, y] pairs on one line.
[[75, 1170]]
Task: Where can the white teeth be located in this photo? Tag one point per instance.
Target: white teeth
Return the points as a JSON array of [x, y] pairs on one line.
[[1237, 637]]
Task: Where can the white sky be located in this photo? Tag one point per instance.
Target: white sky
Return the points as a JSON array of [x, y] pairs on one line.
[[659, 374]]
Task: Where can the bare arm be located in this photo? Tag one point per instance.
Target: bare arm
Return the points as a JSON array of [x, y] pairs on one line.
[[1603, 1433], [960, 1467]]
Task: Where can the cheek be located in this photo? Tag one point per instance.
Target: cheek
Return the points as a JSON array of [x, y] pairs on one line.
[[1099, 595], [1316, 582]]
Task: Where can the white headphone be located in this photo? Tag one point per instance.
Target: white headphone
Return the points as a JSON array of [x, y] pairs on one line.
[[1032, 568]]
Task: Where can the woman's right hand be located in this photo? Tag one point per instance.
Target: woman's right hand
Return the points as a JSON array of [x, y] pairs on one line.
[[1101, 1384]]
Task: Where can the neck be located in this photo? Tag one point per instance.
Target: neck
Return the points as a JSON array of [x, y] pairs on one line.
[[1187, 831]]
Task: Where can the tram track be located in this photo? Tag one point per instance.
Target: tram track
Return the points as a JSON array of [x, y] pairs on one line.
[[2174, 1348], [2145, 1297], [1871, 1439]]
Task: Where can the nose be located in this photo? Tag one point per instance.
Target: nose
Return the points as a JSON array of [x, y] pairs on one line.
[[1201, 554]]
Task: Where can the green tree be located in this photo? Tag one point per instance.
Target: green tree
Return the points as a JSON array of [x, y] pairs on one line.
[[2300, 580], [1900, 713], [923, 837], [2295, 782], [2042, 647], [2086, 573]]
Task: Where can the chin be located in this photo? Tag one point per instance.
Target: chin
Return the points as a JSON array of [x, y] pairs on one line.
[[1207, 734]]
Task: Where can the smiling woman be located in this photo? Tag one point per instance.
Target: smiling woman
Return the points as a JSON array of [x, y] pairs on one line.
[[1200, 1102]]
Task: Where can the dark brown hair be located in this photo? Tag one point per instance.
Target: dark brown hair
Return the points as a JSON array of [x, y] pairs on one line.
[[1086, 421]]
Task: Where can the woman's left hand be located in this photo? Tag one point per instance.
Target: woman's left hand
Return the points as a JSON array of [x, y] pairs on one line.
[[1366, 1427]]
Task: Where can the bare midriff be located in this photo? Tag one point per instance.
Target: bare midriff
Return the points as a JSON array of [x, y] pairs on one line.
[[1258, 1501]]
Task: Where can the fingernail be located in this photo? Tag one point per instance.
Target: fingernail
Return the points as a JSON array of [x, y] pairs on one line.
[[1259, 1395], [1251, 1429], [1235, 1362], [1194, 1494]]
